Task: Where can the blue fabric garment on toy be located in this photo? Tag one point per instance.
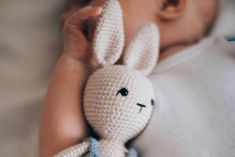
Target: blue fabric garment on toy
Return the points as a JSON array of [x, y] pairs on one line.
[[231, 39], [94, 149], [132, 153]]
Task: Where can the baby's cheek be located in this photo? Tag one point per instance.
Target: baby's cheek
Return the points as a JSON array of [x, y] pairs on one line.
[[136, 14]]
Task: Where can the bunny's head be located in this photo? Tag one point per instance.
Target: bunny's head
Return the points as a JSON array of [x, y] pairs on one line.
[[119, 99]]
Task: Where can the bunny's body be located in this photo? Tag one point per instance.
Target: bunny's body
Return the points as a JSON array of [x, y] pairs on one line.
[[118, 104], [110, 148], [118, 99]]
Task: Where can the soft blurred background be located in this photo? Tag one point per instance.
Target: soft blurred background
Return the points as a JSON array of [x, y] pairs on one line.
[[29, 47]]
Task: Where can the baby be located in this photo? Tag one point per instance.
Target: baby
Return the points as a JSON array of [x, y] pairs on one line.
[[182, 82]]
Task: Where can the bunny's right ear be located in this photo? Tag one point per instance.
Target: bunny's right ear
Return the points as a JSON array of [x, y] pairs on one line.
[[142, 53], [108, 39]]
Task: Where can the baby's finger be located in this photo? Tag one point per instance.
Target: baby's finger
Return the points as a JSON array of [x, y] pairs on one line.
[[90, 12], [84, 14]]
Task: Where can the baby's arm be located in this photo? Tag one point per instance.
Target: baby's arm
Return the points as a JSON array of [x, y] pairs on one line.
[[63, 123]]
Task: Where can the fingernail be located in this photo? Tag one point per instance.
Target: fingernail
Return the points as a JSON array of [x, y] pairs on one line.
[[88, 7], [99, 10]]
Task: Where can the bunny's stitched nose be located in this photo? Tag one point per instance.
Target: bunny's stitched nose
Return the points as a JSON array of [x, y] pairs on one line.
[[141, 106]]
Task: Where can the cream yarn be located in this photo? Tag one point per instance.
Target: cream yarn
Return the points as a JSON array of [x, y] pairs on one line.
[[118, 98], [109, 34]]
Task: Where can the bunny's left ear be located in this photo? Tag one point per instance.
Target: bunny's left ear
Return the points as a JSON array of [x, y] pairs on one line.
[[142, 54], [108, 39]]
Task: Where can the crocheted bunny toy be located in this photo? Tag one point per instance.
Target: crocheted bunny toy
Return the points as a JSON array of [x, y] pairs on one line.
[[118, 99]]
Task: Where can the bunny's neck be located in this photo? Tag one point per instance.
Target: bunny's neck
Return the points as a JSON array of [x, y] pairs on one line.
[[112, 148]]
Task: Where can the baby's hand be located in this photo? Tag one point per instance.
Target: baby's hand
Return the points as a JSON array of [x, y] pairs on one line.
[[77, 37]]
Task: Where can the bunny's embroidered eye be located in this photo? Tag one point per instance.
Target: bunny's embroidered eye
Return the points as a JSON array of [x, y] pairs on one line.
[[123, 92], [152, 102]]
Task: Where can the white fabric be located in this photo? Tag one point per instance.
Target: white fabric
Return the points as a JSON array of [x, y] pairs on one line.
[[225, 22], [195, 92], [195, 95]]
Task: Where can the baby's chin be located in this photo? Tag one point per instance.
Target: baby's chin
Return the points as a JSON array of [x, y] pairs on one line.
[[209, 13]]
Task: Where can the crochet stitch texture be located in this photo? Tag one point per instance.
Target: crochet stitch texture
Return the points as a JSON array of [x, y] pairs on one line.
[[118, 98]]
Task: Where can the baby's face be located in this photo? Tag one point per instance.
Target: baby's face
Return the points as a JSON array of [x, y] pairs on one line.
[[137, 13], [184, 25]]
